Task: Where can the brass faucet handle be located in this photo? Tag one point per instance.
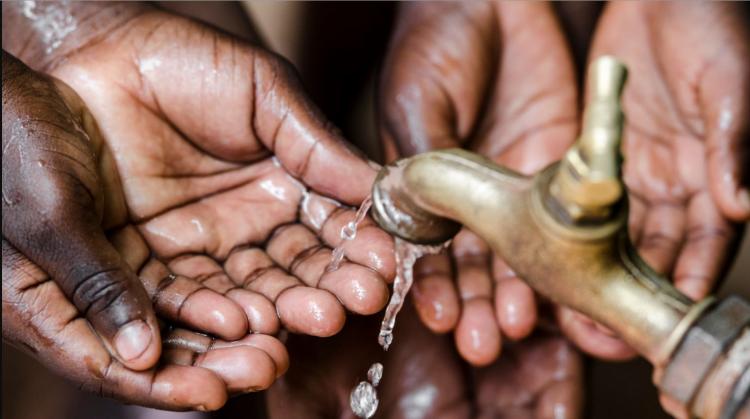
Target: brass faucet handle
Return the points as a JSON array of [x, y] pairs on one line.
[[588, 181]]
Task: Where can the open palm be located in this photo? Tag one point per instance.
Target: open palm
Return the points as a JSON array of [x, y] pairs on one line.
[[686, 136], [229, 177]]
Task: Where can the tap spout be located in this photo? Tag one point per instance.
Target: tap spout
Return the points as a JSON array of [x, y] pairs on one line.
[[590, 268]]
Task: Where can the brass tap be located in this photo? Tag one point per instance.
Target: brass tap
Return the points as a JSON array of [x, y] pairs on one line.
[[587, 185], [564, 231]]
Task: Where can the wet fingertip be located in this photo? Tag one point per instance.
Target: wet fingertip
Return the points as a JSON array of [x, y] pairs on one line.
[[243, 368], [260, 312], [310, 311], [591, 340], [436, 303], [186, 387], [515, 308], [274, 348], [359, 289], [477, 335], [694, 287], [214, 313]]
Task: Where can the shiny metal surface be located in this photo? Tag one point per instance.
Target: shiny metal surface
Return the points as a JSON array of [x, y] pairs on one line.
[[564, 231]]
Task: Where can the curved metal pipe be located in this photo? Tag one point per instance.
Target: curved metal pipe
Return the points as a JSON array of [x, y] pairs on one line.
[[592, 269]]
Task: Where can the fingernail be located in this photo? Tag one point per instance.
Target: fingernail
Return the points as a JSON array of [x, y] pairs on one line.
[[132, 340]]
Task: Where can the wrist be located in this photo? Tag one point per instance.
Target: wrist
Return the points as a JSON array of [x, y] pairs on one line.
[[40, 34]]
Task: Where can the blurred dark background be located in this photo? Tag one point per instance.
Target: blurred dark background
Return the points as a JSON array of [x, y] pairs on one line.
[[337, 48]]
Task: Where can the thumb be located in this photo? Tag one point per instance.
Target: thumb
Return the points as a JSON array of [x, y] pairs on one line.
[[726, 105], [52, 201]]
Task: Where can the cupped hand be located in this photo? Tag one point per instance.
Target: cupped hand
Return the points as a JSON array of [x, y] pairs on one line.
[[93, 322], [685, 144], [194, 372], [229, 176], [496, 78], [423, 377]]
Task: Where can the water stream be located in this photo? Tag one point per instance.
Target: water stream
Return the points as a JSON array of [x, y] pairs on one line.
[[407, 255], [363, 400], [349, 233]]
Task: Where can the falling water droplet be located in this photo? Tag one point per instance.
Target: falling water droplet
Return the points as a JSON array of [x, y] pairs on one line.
[[364, 400], [375, 373]]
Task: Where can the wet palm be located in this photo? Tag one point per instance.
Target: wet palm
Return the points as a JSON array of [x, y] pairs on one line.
[[81, 322], [686, 135], [496, 78], [229, 177]]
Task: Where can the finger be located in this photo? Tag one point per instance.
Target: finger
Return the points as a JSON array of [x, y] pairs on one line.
[[434, 293], [515, 304], [590, 339], [269, 344], [562, 399], [637, 211], [244, 368], [298, 251], [707, 250], [52, 207], [371, 246], [438, 67], [260, 108], [184, 300], [725, 99], [477, 334], [66, 343], [301, 309], [662, 237], [259, 312]]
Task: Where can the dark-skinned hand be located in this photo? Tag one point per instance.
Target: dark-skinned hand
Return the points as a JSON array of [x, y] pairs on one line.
[[229, 177], [498, 79], [687, 133], [94, 321], [424, 377]]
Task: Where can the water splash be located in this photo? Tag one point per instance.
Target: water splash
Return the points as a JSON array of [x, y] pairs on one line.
[[364, 398], [407, 255], [349, 233], [52, 20]]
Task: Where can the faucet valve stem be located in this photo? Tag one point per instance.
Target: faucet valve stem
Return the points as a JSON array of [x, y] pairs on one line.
[[587, 184]]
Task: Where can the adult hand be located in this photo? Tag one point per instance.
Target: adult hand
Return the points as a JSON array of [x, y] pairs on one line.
[[424, 378], [93, 322], [686, 135], [496, 78], [229, 175], [194, 371]]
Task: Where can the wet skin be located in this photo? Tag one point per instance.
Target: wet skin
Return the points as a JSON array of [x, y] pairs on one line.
[[228, 173], [75, 325], [498, 79], [686, 137], [424, 377], [214, 184]]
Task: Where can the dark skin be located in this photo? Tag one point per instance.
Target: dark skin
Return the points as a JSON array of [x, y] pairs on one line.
[[47, 126], [498, 79], [423, 377], [217, 190]]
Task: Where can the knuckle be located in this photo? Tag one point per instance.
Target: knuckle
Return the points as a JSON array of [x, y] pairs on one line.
[[97, 292]]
